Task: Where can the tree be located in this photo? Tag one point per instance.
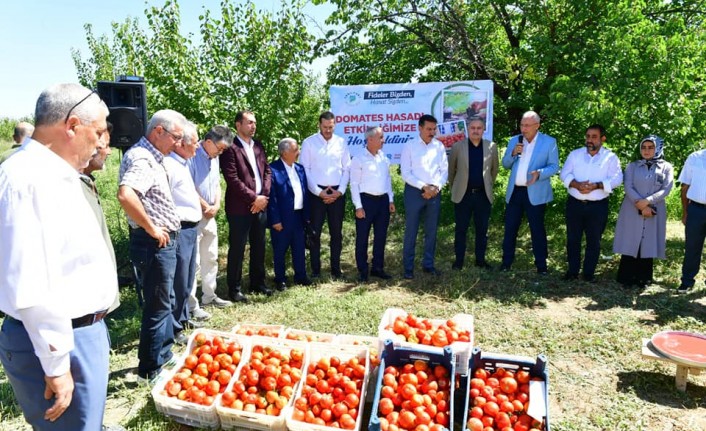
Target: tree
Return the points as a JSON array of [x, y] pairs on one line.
[[634, 65], [246, 59]]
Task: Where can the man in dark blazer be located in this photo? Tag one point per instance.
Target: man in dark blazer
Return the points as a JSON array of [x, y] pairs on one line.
[[248, 180], [288, 213]]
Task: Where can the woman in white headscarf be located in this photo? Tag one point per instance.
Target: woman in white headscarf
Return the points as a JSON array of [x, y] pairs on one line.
[[641, 231]]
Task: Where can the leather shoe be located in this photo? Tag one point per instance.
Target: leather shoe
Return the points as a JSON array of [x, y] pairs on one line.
[[262, 289], [181, 339], [484, 265], [315, 275], [432, 271], [363, 277], [380, 274], [337, 275], [281, 286], [238, 296], [683, 289], [589, 278], [456, 266], [408, 275], [304, 282], [570, 276]]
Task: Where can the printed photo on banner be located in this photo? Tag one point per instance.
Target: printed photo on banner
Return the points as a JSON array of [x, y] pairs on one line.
[[465, 104], [451, 132]]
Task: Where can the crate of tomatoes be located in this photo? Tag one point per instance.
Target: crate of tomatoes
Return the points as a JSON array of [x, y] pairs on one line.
[[373, 345], [332, 393], [505, 392], [260, 329], [263, 389], [414, 390], [432, 335], [190, 391]]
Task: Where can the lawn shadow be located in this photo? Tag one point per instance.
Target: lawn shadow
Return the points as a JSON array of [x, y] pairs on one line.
[[659, 388]]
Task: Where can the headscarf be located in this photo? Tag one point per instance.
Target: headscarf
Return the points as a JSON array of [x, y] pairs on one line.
[[659, 150]]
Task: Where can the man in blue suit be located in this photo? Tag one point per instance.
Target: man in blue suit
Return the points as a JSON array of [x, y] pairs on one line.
[[288, 213], [533, 158]]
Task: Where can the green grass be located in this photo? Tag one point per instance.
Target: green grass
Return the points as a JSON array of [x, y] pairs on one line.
[[591, 333]]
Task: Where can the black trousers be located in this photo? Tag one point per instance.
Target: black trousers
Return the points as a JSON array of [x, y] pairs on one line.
[[635, 271], [584, 217], [377, 216], [333, 213], [242, 229]]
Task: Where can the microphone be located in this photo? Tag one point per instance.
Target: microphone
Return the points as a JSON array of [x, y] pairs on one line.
[[520, 140]]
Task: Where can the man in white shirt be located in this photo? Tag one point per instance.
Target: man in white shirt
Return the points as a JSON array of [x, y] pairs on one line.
[[57, 273], [371, 192], [188, 207], [590, 174], [326, 160], [425, 170], [693, 203]]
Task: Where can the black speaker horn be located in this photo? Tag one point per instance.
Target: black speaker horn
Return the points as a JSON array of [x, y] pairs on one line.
[[127, 102]]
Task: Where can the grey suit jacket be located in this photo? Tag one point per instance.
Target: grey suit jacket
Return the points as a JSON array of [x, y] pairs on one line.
[[458, 168]]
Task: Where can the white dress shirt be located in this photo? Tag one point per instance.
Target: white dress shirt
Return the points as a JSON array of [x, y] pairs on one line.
[[604, 168], [250, 151], [526, 156], [326, 163], [424, 164], [370, 174], [184, 193], [296, 186], [54, 262], [694, 174]]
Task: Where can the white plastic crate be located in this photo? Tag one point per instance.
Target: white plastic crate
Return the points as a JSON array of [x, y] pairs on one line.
[[344, 352], [257, 328], [185, 412], [373, 345], [308, 336], [461, 350], [241, 420]]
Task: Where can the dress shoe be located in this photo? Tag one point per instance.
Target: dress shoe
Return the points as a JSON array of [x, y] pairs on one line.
[[363, 277], [589, 278], [281, 286], [569, 276], [432, 271], [504, 268], [238, 296], [193, 324], [684, 289], [484, 265], [542, 272], [457, 266], [408, 275], [200, 314], [262, 289], [304, 282], [181, 339], [315, 275], [337, 275], [379, 273]]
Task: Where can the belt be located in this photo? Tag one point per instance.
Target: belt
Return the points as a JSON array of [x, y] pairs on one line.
[[368, 195], [79, 322], [188, 224], [587, 201], [477, 190], [520, 187], [698, 204]]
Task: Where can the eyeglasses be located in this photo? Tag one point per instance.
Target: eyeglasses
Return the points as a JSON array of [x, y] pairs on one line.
[[68, 114], [176, 138]]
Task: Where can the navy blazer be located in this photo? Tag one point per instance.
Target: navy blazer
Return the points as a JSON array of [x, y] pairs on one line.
[[281, 206]]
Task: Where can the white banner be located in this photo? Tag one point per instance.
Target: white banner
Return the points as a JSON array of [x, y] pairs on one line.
[[397, 108]]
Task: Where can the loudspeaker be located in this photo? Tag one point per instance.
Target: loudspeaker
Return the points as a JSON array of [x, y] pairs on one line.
[[127, 102]]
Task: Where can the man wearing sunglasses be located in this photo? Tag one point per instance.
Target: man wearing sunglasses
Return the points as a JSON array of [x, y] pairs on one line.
[[57, 273], [145, 196]]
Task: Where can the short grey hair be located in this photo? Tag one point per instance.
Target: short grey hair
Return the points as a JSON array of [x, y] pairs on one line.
[[533, 115], [22, 130], [372, 131], [191, 133], [167, 118], [285, 144], [55, 103], [475, 118]]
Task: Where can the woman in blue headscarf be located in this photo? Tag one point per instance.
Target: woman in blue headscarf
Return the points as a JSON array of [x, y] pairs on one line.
[[641, 230]]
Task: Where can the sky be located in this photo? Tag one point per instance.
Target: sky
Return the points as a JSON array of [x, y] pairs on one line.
[[36, 38]]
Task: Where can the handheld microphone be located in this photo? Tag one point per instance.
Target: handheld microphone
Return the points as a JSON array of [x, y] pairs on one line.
[[521, 141]]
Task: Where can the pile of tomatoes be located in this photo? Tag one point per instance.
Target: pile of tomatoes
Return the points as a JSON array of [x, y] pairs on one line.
[[331, 393], [422, 331], [415, 397], [308, 337], [266, 383], [206, 371], [499, 401], [450, 140], [264, 332]]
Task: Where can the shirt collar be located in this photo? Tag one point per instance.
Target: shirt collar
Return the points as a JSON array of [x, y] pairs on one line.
[[61, 166], [151, 148], [177, 157]]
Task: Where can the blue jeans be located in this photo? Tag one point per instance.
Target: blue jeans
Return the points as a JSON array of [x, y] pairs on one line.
[[474, 203], [695, 233], [184, 275], [89, 369], [155, 268], [417, 207], [519, 204]]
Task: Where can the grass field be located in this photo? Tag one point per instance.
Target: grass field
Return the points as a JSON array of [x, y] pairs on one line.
[[591, 333]]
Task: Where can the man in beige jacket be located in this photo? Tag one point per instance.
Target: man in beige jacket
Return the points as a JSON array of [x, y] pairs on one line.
[[473, 167]]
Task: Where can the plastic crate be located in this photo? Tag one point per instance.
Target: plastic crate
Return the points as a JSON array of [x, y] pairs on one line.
[[256, 329], [492, 361], [373, 345], [242, 420], [308, 336], [343, 352], [398, 356], [461, 350], [185, 412]]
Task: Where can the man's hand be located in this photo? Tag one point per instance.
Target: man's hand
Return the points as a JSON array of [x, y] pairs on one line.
[[535, 177], [62, 389], [161, 234], [278, 227], [259, 204], [392, 208], [518, 149], [429, 191], [329, 195], [210, 211], [360, 213]]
